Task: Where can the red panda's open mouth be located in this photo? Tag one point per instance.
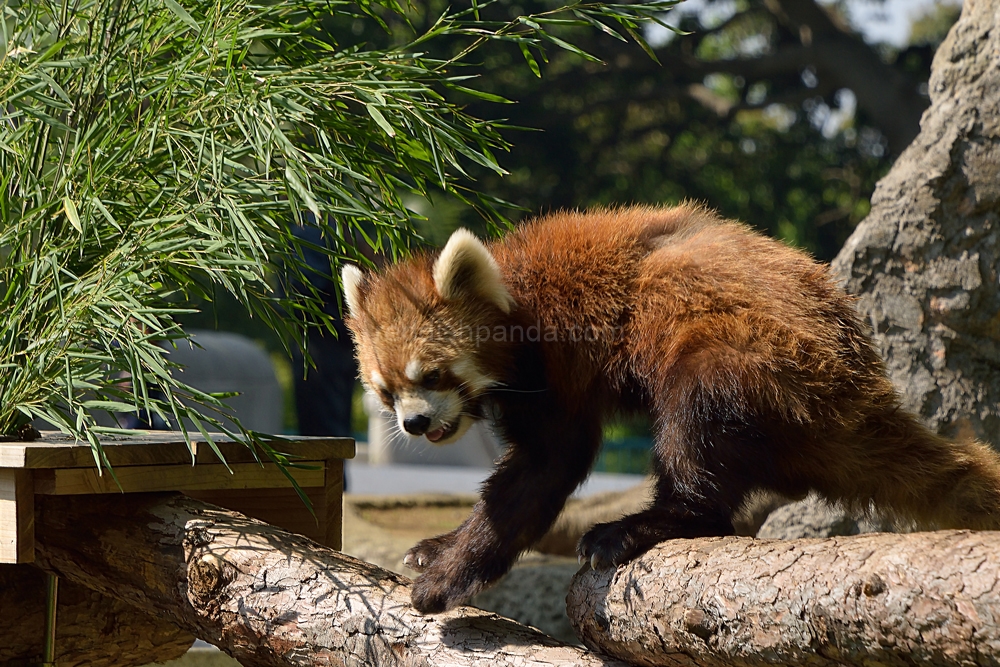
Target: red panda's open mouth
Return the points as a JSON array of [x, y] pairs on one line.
[[442, 432]]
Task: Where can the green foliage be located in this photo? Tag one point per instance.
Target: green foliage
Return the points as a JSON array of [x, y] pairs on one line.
[[931, 26], [629, 456], [156, 154], [625, 445], [631, 131]]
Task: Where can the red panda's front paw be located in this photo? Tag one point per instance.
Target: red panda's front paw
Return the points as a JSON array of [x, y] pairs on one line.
[[425, 552], [435, 592]]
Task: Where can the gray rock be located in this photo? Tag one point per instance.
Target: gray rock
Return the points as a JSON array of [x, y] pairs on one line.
[[811, 517], [534, 593], [227, 362]]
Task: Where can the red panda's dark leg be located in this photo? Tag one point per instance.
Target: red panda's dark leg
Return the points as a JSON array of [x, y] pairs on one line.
[[545, 461], [677, 511], [611, 544], [710, 451]]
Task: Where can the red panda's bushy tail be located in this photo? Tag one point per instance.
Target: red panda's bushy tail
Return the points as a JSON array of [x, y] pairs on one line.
[[904, 470]]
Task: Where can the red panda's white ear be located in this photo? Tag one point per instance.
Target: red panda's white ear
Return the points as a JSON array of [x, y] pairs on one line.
[[466, 268], [351, 278]]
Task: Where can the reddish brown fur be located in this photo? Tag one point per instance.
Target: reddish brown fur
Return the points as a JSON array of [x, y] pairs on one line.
[[753, 364]]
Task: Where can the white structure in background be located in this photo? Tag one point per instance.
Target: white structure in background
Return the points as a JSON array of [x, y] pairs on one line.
[[478, 448], [227, 362]]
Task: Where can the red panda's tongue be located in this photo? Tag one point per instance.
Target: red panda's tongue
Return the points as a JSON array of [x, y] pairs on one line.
[[435, 435]]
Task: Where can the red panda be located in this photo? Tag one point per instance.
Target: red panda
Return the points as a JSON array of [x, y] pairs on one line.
[[752, 363]]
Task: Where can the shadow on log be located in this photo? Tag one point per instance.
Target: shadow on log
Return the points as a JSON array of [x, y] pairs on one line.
[[880, 599], [92, 629], [265, 596]]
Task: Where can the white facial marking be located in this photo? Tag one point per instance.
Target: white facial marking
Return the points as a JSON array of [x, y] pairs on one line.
[[378, 381], [414, 370], [413, 403], [444, 408], [466, 370]]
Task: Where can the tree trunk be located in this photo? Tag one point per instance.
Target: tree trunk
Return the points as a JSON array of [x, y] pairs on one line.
[[91, 629], [924, 262], [923, 598], [265, 596]]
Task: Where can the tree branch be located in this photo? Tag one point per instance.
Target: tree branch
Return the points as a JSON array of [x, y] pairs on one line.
[[265, 596], [885, 93], [923, 598]]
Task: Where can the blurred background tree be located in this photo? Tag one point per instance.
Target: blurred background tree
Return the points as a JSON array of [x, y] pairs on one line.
[[776, 112]]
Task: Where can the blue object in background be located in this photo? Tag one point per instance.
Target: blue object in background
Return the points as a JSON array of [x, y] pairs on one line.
[[323, 394]]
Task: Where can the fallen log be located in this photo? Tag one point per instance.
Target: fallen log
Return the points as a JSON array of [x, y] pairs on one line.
[[91, 629], [878, 599], [265, 596]]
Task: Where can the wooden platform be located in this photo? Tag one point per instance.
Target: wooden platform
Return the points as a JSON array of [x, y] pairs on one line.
[[162, 461]]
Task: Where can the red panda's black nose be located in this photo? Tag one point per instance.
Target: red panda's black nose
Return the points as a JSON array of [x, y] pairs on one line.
[[417, 424]]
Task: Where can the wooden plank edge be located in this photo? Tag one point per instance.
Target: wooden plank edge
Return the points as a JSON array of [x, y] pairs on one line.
[[55, 450], [204, 476], [17, 516]]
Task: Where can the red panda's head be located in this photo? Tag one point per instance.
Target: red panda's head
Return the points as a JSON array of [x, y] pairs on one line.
[[416, 329]]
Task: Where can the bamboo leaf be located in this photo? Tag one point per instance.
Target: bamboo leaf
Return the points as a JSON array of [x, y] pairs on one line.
[[301, 191], [483, 95], [642, 42], [72, 214], [530, 59], [182, 14], [380, 120]]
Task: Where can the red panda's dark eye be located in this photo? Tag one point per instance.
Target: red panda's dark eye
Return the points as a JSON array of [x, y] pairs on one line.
[[431, 379], [386, 397]]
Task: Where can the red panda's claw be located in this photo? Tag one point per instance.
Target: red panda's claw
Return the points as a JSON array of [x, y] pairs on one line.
[[609, 545], [422, 555], [416, 561]]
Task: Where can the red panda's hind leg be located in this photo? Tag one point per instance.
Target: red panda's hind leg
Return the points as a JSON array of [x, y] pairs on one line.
[[611, 544], [711, 450], [696, 494]]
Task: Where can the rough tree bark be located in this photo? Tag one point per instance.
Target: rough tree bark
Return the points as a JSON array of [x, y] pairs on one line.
[[265, 596], [924, 262], [922, 598], [92, 629]]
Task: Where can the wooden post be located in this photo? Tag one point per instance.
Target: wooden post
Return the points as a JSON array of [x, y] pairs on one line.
[[333, 511], [17, 516]]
